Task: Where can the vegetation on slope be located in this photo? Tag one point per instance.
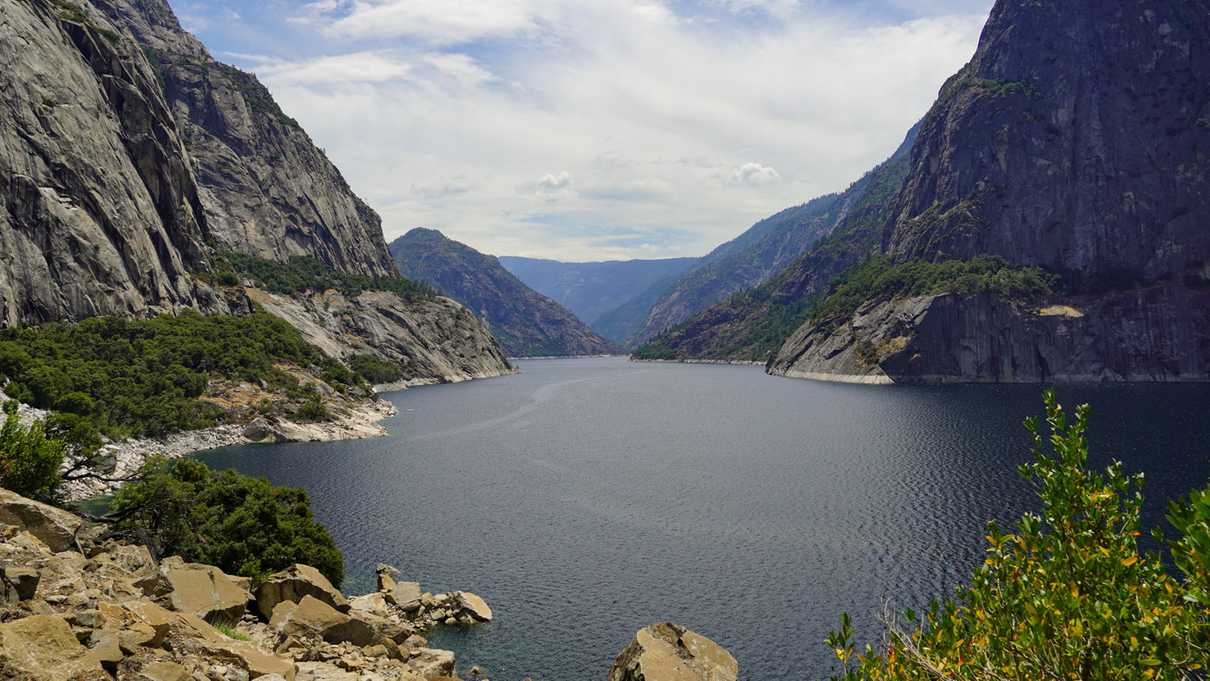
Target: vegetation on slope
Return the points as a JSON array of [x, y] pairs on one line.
[[752, 324], [302, 274], [144, 377], [879, 278], [240, 524], [1069, 594]]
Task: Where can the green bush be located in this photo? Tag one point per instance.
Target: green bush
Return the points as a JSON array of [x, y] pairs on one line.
[[240, 524], [374, 369], [1069, 595], [878, 277], [142, 377], [29, 459]]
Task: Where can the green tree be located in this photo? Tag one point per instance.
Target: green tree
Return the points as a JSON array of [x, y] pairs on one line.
[[1068, 595], [29, 459], [241, 524]]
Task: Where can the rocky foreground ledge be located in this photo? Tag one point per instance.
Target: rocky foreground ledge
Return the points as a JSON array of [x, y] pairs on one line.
[[78, 606]]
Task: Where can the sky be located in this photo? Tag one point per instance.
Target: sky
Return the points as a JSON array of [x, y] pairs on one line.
[[595, 129]]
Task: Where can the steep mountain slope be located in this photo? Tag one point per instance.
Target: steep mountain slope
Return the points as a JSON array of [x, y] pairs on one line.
[[593, 289], [739, 264], [266, 189], [1076, 139], [99, 210], [751, 324], [133, 163], [527, 323]]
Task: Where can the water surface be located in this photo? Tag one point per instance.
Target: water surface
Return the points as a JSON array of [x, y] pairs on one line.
[[587, 498]]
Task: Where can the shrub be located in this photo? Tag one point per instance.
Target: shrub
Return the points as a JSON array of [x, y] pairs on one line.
[[240, 524], [374, 369], [29, 459], [1068, 595]]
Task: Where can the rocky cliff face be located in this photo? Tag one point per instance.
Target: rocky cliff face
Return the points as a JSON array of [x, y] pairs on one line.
[[265, 188], [433, 340], [950, 338], [1076, 139], [99, 209], [527, 323]]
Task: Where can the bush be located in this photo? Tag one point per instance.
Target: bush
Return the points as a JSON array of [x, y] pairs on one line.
[[374, 369], [29, 459], [1068, 595], [240, 524]]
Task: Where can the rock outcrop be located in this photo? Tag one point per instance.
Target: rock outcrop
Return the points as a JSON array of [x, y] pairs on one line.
[[433, 340], [105, 610], [950, 338], [670, 652], [527, 323]]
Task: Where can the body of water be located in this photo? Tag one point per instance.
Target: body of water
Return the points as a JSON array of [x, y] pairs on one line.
[[586, 498]]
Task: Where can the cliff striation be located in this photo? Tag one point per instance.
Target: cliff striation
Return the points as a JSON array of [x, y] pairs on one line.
[[100, 212], [266, 189]]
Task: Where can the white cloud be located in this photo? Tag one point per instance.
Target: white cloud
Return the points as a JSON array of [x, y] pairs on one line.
[[754, 174], [342, 69], [552, 183], [605, 128], [435, 21]]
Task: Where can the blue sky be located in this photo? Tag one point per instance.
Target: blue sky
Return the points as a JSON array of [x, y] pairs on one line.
[[595, 129]]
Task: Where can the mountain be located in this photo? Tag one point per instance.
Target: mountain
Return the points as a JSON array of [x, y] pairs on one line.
[[134, 165], [527, 323], [751, 324], [592, 290], [1072, 154]]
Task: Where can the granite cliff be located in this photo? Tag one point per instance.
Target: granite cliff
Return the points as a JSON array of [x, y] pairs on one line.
[[131, 163], [1077, 140], [527, 323]]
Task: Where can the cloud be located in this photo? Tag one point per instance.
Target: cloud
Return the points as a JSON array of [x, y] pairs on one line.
[[342, 69], [438, 22], [634, 115], [554, 183], [754, 174]]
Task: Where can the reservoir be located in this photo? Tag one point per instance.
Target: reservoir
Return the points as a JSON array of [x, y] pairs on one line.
[[586, 498]]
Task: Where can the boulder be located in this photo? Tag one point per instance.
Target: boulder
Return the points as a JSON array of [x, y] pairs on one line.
[[475, 606], [404, 594], [54, 526], [386, 577], [43, 648], [204, 590], [157, 670], [670, 652], [294, 583], [431, 663], [18, 584], [313, 617]]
